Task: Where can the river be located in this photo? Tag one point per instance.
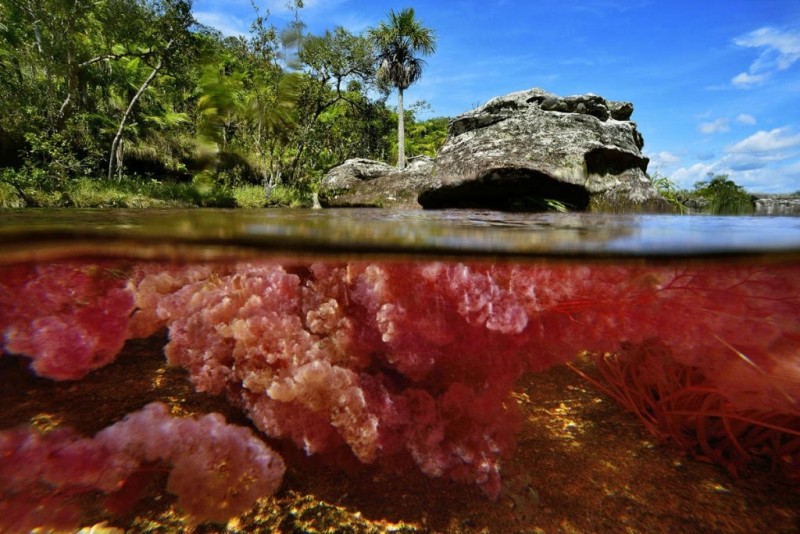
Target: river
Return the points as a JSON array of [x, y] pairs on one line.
[[412, 371]]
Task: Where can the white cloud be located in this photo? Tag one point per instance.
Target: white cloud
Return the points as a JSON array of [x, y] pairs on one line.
[[769, 180], [779, 51], [686, 177], [667, 158], [662, 162], [226, 24], [746, 80], [765, 162], [763, 141], [744, 118], [752, 174], [717, 126], [782, 49]]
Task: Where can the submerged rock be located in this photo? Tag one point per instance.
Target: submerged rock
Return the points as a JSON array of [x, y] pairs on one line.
[[524, 151]]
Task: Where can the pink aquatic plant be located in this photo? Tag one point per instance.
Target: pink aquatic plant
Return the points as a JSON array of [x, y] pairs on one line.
[[42, 474], [69, 318], [399, 361], [387, 359]]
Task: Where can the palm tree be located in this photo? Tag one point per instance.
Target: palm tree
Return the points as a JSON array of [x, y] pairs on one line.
[[398, 40]]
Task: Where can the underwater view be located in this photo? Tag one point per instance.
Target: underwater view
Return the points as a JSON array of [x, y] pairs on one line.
[[379, 371]]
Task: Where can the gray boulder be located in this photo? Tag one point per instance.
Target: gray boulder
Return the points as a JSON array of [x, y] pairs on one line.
[[777, 205], [521, 149], [525, 151], [373, 184]]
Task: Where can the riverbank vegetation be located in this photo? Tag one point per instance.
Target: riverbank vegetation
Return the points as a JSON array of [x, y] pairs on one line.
[[717, 195], [133, 103]]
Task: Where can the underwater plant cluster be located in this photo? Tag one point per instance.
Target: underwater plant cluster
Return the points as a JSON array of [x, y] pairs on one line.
[[41, 472], [414, 362]]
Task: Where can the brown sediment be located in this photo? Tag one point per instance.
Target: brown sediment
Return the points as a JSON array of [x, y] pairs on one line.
[[581, 465]]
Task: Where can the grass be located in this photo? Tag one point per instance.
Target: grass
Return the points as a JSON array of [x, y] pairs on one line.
[[249, 196], [19, 189], [282, 195], [9, 197]]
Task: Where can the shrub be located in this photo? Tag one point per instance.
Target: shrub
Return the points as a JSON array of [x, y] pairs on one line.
[[724, 196], [249, 196], [9, 197], [294, 197]]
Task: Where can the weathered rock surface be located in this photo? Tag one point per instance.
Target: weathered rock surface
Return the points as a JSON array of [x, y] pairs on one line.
[[778, 205], [517, 152], [367, 183]]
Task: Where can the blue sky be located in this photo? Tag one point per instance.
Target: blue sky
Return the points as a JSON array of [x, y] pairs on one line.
[[715, 83]]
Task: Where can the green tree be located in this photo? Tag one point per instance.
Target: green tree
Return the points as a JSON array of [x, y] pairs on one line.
[[48, 77], [424, 138], [246, 103], [399, 42], [168, 37], [338, 69], [73, 76], [724, 196], [354, 127]]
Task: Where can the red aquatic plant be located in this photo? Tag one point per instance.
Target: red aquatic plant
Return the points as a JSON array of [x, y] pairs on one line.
[[392, 360], [43, 473], [681, 404], [720, 376], [69, 317], [403, 362]]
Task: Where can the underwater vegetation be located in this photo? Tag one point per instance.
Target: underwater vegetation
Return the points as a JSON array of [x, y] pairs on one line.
[[400, 363]]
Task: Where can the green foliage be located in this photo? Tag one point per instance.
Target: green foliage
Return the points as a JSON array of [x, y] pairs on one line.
[[424, 138], [68, 71], [9, 197], [336, 118], [671, 193], [94, 89], [31, 189], [250, 196], [427, 137], [291, 197], [399, 40], [34, 187], [86, 193], [724, 196]]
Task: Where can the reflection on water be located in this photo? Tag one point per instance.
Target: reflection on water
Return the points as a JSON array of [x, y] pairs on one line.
[[395, 341], [402, 232]]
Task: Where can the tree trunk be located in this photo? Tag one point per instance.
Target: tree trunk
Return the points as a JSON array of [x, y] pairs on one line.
[[112, 157], [401, 131]]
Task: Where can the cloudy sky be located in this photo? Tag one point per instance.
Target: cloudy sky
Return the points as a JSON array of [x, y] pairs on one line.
[[715, 83]]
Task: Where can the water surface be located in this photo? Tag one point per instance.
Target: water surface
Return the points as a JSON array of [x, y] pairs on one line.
[[447, 232]]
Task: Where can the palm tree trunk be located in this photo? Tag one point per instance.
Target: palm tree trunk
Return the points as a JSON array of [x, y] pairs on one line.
[[401, 131]]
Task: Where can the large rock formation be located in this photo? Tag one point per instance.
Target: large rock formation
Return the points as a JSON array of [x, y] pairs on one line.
[[523, 151]]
